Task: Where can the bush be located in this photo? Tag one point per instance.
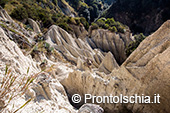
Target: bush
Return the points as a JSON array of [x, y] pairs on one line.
[[35, 12], [113, 29], [111, 25], [84, 22], [100, 23], [71, 20], [139, 38], [46, 45], [106, 26], [94, 26], [110, 21], [19, 13], [104, 19], [133, 45], [121, 29], [77, 21], [65, 26]]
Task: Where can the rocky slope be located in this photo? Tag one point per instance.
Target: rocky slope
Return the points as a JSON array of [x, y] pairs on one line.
[[78, 68], [48, 94], [146, 72]]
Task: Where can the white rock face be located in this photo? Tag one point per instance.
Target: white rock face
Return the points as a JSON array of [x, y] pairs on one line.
[[145, 72], [35, 26], [72, 49], [108, 64], [4, 15], [47, 93], [150, 64], [51, 93], [108, 41], [11, 55]]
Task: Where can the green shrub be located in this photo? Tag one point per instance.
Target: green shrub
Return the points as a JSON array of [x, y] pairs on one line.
[[100, 23], [105, 26], [77, 21], [121, 29], [71, 20], [84, 22], [45, 17], [110, 21], [55, 2], [94, 26], [65, 26], [19, 13], [133, 45], [140, 37], [111, 24], [46, 45], [102, 18], [113, 29]]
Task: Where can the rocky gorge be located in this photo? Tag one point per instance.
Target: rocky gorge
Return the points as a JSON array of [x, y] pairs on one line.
[[47, 73]]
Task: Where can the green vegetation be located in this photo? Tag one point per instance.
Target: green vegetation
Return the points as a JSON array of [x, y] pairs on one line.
[[84, 22], [90, 9], [133, 45], [94, 26], [65, 26], [110, 24], [113, 29], [47, 12]]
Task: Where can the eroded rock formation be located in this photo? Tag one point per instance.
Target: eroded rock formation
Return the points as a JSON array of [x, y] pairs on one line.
[[49, 94], [34, 25], [4, 15], [72, 48], [146, 71], [113, 42]]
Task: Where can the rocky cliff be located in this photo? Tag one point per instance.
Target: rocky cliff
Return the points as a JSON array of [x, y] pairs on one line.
[[109, 41], [146, 72], [48, 69]]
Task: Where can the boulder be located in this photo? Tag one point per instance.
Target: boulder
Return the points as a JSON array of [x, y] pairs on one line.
[[90, 108]]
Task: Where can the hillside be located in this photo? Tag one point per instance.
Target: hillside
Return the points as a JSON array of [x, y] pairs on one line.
[[142, 16], [40, 72], [45, 12], [90, 9], [68, 16], [52, 50]]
